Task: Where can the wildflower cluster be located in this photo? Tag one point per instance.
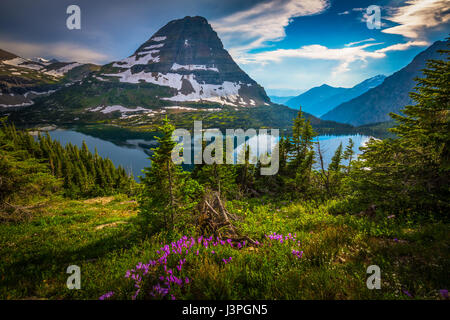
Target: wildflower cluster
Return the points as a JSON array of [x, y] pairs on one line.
[[181, 252], [172, 258], [287, 239]]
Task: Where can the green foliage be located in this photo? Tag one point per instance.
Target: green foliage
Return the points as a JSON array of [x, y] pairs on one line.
[[82, 173], [23, 181], [167, 191], [99, 236], [411, 173]]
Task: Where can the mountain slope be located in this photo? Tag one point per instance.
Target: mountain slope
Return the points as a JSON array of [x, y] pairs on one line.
[[280, 100], [347, 95], [320, 100], [22, 80], [309, 99], [391, 96]]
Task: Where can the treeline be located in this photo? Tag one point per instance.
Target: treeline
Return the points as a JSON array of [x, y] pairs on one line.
[[408, 175], [76, 172]]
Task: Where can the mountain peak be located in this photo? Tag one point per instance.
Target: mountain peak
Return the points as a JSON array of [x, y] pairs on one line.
[[187, 55], [320, 100], [199, 19]]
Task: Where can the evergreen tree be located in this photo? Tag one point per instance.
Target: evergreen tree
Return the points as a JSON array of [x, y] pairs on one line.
[[300, 155], [161, 183], [348, 153], [415, 167], [335, 163]]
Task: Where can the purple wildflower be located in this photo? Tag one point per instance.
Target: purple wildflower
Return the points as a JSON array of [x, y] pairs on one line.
[[107, 295], [407, 293]]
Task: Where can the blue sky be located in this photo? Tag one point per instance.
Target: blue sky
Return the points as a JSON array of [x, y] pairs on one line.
[[288, 46]]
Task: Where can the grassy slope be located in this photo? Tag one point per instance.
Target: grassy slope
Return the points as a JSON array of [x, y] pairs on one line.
[[337, 250]]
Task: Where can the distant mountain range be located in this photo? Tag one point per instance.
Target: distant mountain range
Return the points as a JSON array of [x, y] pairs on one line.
[[320, 100], [390, 96], [280, 100]]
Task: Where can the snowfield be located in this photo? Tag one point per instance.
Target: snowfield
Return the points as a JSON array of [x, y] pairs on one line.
[[154, 46], [190, 67], [62, 71], [225, 93], [134, 59], [158, 39], [38, 93], [180, 108], [109, 109], [29, 64], [24, 104], [23, 63]]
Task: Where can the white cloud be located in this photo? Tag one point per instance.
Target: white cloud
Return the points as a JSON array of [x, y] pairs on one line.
[[61, 51], [344, 56], [403, 46], [415, 16], [253, 28], [358, 42], [344, 13]]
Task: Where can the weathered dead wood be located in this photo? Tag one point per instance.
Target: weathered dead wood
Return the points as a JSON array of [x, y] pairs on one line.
[[215, 219]]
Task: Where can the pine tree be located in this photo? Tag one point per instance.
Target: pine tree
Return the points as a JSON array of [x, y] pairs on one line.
[[301, 154], [348, 153], [413, 169], [161, 183], [335, 163]]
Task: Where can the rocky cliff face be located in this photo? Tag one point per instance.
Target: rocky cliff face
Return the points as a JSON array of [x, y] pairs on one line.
[[188, 56]]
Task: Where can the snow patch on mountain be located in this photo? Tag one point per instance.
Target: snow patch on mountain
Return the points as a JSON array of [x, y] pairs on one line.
[[23, 63], [24, 104], [190, 67], [158, 39], [225, 93], [180, 108], [38, 93], [154, 46], [109, 109], [138, 59], [63, 70]]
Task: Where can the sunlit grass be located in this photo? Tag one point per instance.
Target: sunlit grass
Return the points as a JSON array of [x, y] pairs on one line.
[[100, 235]]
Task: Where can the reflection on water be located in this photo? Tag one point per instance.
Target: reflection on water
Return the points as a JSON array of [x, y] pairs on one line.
[[328, 146], [134, 154]]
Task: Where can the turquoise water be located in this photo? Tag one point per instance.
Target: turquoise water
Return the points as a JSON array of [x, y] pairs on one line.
[[134, 154]]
